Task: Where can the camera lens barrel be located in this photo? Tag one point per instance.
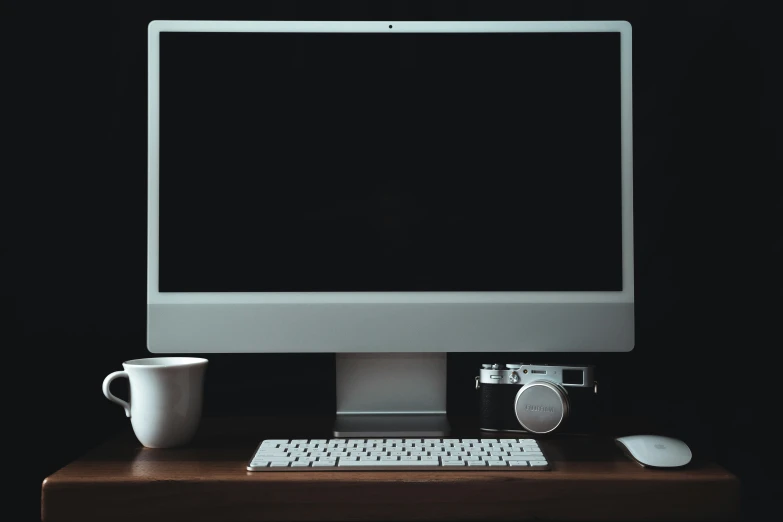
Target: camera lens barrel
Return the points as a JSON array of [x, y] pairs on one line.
[[541, 406]]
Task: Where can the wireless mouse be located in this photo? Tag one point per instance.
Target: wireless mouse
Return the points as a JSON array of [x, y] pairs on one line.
[[655, 451]]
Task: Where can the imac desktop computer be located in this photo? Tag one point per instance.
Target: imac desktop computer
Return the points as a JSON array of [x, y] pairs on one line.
[[390, 192]]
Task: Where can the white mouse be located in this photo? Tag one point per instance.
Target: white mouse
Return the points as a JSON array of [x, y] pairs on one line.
[[655, 451]]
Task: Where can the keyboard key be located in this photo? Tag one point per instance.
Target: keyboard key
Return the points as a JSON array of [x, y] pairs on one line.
[[278, 464], [496, 463], [476, 463], [518, 463], [300, 464], [454, 463], [274, 442]]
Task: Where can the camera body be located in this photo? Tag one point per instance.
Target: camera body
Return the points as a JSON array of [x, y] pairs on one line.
[[537, 398]]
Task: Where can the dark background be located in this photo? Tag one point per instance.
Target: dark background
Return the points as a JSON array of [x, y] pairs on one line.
[[706, 106]]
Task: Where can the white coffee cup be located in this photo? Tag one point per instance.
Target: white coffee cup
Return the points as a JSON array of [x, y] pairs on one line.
[[165, 398]]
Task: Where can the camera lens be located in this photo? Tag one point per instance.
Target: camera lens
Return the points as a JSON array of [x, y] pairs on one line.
[[541, 406]]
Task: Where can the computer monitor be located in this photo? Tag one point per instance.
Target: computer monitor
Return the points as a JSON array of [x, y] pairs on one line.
[[390, 192]]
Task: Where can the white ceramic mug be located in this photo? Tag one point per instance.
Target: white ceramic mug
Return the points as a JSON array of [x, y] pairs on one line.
[[165, 398]]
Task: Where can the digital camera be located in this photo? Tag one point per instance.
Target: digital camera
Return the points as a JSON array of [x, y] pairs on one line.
[[537, 398]]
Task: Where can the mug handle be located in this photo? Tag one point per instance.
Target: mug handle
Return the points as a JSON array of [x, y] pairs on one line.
[[107, 383]]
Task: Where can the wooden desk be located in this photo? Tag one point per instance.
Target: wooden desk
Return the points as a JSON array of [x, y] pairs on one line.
[[591, 480]]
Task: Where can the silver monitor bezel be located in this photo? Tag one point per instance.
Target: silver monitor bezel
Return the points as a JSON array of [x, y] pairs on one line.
[[274, 321]]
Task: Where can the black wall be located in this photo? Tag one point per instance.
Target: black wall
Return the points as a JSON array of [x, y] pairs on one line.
[[706, 131]]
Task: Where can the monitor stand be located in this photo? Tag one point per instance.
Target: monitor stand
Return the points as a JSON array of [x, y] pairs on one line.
[[391, 395]]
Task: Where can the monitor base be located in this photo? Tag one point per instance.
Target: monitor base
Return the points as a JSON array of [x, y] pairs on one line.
[[391, 425], [391, 395]]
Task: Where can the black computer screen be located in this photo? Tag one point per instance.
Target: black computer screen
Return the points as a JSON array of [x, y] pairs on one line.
[[390, 162]]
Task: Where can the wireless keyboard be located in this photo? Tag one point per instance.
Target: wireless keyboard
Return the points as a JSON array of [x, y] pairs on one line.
[[398, 455]]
